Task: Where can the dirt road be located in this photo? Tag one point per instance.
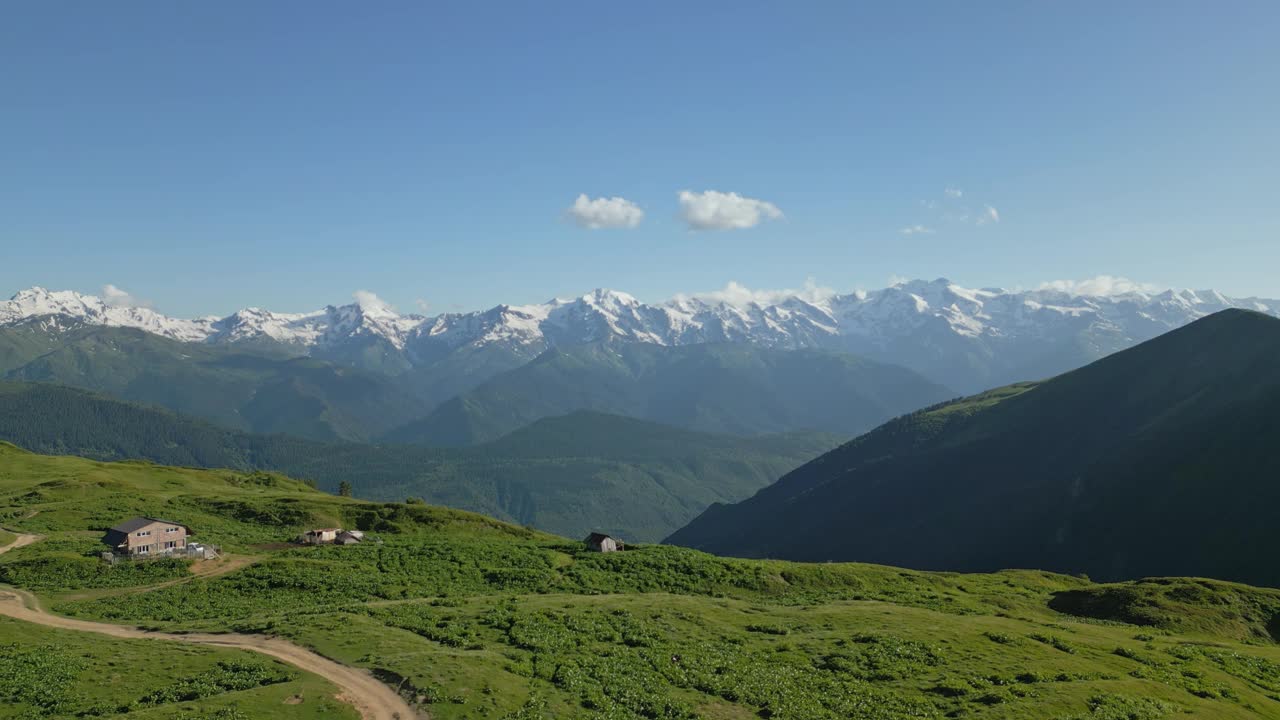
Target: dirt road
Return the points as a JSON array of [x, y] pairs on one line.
[[372, 699], [22, 541]]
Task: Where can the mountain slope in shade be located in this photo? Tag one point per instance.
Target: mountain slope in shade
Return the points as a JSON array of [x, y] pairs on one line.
[[1159, 460], [721, 388], [965, 338], [570, 474]]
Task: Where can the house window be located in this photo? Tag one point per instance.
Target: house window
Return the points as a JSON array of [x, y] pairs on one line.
[[171, 530], [170, 544], [142, 533], [142, 549]]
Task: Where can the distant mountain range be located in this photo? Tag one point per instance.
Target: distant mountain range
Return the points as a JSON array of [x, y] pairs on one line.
[[716, 387], [1158, 460], [568, 475], [962, 338]]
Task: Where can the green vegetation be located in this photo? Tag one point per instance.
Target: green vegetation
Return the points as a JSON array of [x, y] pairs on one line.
[[475, 618], [568, 475], [252, 389], [48, 673], [1156, 461]]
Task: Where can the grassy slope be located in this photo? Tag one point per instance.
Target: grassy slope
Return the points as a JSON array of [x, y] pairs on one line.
[[485, 620], [1155, 461], [735, 389], [243, 387], [45, 672], [567, 475]]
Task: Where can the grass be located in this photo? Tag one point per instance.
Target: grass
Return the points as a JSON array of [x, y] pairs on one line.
[[46, 672], [473, 618]]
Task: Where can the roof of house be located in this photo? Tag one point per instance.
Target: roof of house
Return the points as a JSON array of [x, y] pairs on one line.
[[137, 523], [598, 537], [324, 530]]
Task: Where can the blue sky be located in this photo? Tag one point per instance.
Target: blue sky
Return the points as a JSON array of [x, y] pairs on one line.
[[285, 154]]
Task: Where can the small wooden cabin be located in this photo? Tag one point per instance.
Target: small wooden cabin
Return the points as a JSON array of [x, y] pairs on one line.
[[349, 537], [604, 543], [320, 536]]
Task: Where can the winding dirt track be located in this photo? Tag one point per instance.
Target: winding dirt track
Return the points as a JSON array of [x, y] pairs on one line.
[[22, 541], [373, 700]]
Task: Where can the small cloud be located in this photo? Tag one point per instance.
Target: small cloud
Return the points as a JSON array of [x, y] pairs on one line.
[[600, 213], [714, 210], [895, 280], [739, 295], [916, 230], [113, 296], [988, 215], [1102, 285], [372, 304], [423, 306], [953, 192]]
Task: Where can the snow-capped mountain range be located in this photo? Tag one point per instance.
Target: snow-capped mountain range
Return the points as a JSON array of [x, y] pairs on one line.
[[965, 338]]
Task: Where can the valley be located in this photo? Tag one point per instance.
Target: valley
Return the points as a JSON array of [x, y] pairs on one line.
[[470, 617]]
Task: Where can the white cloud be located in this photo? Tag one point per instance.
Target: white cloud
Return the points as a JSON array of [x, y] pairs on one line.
[[113, 296], [916, 230], [423, 306], [896, 280], [988, 215], [1102, 285], [714, 210], [739, 295], [372, 304], [601, 212], [953, 192]]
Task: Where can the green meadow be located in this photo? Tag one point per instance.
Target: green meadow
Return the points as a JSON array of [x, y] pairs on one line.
[[474, 618]]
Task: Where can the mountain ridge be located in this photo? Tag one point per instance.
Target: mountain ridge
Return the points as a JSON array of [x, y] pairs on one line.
[[1152, 461], [964, 338]]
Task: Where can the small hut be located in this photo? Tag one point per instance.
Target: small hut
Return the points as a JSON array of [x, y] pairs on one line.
[[320, 536], [349, 537], [604, 543]]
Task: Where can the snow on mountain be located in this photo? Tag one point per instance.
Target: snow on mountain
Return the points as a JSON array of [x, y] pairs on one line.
[[38, 302], [921, 324]]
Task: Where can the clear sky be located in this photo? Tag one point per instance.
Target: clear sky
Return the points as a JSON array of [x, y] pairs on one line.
[[208, 156]]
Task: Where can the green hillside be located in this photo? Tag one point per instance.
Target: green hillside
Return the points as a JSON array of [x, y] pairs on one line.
[[1159, 460], [473, 618], [733, 389], [568, 475], [261, 392]]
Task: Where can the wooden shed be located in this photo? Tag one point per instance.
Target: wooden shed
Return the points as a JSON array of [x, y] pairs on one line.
[[604, 543]]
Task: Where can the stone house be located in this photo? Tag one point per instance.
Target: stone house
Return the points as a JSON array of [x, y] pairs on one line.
[[147, 537]]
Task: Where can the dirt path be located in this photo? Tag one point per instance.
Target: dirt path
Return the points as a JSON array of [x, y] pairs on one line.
[[22, 541], [372, 699]]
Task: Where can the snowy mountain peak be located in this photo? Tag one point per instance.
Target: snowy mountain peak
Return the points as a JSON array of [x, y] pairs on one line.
[[922, 318]]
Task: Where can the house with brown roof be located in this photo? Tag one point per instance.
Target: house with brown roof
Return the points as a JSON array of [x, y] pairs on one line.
[[604, 543], [147, 537]]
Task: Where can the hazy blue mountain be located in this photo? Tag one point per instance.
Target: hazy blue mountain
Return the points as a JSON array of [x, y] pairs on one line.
[[724, 388]]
